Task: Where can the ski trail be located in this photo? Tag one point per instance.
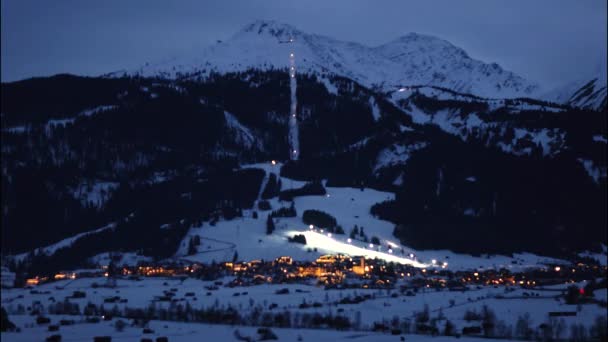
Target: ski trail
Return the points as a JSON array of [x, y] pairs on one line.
[[294, 142]]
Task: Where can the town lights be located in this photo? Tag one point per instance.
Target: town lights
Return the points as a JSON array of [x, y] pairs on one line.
[[274, 162], [349, 240], [411, 255], [434, 261], [390, 250], [291, 55], [311, 226], [557, 268], [328, 234], [371, 245]]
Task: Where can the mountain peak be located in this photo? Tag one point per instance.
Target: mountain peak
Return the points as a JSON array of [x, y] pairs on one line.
[[270, 27], [418, 42]]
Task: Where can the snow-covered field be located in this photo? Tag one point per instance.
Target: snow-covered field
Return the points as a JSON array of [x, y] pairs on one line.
[[186, 332], [383, 306]]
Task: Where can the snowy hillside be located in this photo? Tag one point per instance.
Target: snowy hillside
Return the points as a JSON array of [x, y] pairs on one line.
[[590, 92], [413, 59], [351, 207]]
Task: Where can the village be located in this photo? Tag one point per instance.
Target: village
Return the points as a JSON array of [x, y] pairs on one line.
[[337, 272]]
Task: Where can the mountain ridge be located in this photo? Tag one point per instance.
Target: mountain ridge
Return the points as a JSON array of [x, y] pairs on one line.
[[412, 59]]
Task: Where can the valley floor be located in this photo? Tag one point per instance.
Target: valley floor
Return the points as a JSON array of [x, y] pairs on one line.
[[381, 306], [187, 332]]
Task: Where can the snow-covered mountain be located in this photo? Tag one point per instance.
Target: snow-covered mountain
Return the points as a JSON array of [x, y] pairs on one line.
[[589, 92], [413, 59]]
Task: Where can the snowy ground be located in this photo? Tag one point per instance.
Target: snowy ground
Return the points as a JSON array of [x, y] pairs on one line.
[[383, 306], [186, 332]]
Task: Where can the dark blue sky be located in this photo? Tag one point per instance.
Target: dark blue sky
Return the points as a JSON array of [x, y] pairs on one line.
[[550, 41]]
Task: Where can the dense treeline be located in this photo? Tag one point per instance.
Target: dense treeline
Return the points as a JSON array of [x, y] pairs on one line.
[[154, 219], [465, 192], [273, 187], [308, 189], [319, 218]]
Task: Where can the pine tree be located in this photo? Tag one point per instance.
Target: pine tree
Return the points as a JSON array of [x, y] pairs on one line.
[[191, 247], [269, 225], [449, 328]]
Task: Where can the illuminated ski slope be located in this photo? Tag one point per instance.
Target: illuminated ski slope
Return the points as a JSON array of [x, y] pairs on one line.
[[328, 243]]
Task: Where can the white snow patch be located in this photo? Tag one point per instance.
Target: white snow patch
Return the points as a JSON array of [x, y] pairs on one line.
[[331, 88], [99, 109], [242, 135], [600, 138], [375, 108], [51, 249], [396, 154], [126, 259], [399, 180], [16, 129], [96, 193], [593, 171]]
